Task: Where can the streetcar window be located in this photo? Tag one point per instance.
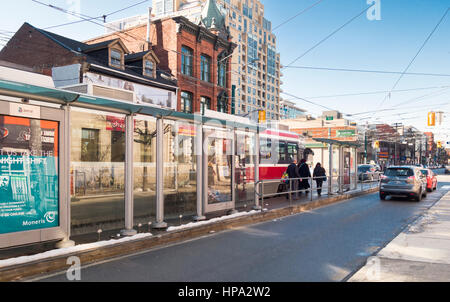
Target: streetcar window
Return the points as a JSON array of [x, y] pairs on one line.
[[282, 154], [265, 148], [292, 151]]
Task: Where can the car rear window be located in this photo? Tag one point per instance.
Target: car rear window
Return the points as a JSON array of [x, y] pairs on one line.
[[399, 172], [364, 168], [424, 172]]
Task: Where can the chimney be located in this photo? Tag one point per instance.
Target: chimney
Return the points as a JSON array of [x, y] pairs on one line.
[[149, 23]]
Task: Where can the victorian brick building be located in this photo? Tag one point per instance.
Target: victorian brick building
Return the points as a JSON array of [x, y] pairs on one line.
[[198, 56]]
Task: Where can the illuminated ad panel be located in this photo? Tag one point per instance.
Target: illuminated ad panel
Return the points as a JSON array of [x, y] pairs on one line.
[[29, 183]]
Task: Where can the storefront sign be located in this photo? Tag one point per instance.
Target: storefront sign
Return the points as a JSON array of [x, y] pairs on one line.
[[115, 123], [186, 130], [29, 183]]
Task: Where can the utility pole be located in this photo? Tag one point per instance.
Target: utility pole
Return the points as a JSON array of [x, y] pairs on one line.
[[396, 125]]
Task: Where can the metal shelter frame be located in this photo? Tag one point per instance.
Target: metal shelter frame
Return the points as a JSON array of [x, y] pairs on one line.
[[341, 145]]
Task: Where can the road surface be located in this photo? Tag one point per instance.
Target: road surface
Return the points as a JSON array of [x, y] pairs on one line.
[[326, 244]]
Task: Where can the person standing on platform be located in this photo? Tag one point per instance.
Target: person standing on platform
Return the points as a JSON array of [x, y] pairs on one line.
[[293, 172], [320, 176], [304, 172]]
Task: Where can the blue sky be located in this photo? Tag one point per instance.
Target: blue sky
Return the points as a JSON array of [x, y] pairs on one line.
[[388, 44]]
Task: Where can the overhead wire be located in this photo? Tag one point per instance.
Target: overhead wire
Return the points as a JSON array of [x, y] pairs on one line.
[[298, 14], [370, 71], [374, 92], [99, 17], [116, 30], [415, 56], [329, 36]]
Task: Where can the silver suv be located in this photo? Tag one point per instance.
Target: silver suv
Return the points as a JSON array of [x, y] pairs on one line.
[[403, 181]]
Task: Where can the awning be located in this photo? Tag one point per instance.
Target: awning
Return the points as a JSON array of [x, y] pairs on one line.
[[64, 97]]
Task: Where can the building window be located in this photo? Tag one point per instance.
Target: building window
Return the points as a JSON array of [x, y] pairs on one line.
[[116, 58], [186, 61], [149, 68], [205, 68], [222, 104], [205, 103], [117, 146], [90, 145], [186, 102], [222, 74]]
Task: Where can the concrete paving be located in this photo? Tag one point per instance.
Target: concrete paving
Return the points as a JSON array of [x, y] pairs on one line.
[[421, 253]]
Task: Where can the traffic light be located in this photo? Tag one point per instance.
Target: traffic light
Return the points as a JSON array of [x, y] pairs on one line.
[[439, 145], [431, 119], [376, 145], [262, 116]]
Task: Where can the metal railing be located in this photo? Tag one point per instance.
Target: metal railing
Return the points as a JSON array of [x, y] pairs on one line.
[[338, 185]]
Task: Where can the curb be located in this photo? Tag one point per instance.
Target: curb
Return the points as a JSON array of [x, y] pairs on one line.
[[59, 263]]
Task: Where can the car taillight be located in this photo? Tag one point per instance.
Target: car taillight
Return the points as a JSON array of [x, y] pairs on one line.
[[410, 179]]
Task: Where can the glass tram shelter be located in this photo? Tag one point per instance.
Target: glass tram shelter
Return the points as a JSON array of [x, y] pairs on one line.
[[72, 164]]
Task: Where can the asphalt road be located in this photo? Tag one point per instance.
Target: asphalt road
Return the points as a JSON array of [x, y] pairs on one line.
[[327, 244]]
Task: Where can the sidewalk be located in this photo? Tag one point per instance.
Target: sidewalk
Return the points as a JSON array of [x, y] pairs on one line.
[[421, 253]]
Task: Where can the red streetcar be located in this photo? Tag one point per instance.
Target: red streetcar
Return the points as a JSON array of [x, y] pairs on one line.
[[277, 148]]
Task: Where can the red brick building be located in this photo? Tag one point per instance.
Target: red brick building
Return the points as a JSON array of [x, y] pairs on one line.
[[196, 56]]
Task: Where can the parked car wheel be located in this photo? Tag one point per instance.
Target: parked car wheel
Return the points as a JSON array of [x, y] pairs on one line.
[[418, 197]]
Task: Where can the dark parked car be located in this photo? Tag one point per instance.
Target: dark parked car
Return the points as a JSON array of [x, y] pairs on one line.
[[368, 172], [403, 181]]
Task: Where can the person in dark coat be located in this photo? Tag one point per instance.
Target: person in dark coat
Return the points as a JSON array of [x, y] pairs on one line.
[[304, 172], [293, 172], [319, 175]]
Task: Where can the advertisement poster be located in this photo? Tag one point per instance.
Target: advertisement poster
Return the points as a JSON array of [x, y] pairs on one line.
[[144, 94], [29, 184]]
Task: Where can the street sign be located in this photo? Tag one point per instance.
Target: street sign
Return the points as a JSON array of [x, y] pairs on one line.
[[329, 118], [383, 155], [345, 133]]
